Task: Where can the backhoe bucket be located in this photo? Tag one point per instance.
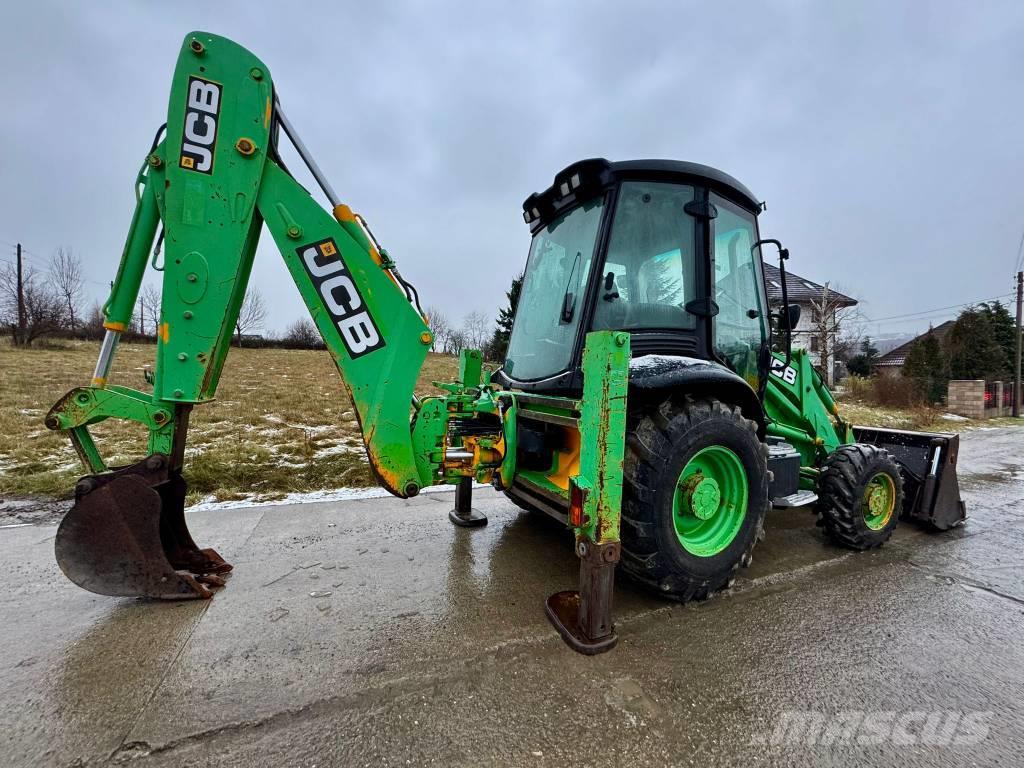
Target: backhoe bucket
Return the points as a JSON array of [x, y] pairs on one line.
[[928, 461], [126, 538]]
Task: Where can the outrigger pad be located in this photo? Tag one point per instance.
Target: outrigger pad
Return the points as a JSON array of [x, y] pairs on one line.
[[563, 611], [928, 461], [110, 544]]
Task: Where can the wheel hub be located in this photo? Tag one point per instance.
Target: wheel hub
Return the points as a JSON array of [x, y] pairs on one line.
[[879, 501], [876, 501], [703, 496], [710, 501]]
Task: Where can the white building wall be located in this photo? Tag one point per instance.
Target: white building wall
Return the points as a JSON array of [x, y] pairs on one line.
[[805, 330]]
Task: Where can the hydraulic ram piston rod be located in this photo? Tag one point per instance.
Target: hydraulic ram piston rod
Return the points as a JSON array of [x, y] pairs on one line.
[[307, 158]]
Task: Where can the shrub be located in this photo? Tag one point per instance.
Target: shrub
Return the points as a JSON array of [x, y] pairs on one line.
[[896, 390]]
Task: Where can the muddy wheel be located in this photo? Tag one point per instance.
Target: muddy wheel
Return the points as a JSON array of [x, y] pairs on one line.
[[860, 495], [694, 497]]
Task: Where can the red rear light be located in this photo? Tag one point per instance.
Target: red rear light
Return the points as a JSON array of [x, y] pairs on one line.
[[576, 497]]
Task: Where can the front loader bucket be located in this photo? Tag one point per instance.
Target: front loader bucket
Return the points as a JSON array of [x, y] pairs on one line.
[[928, 461], [125, 538]]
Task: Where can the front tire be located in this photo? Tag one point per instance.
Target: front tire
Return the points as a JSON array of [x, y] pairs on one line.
[[695, 494], [860, 495]]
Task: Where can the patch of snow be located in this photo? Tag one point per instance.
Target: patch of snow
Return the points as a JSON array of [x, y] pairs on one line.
[[334, 450], [646, 362], [954, 417], [336, 494], [312, 429]]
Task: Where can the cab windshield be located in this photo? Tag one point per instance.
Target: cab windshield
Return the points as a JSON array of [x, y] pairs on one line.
[[551, 302]]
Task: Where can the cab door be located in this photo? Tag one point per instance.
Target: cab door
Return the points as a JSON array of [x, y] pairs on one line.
[[740, 329]]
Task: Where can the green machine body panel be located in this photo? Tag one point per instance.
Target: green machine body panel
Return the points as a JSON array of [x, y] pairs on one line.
[[799, 409], [603, 431]]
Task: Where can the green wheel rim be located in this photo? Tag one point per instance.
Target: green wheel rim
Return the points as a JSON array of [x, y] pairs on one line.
[[879, 501], [710, 501]]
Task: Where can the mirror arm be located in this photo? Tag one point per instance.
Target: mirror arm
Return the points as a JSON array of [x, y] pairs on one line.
[[783, 256]]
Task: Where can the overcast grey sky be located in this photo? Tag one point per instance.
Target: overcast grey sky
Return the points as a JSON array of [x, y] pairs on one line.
[[885, 137]]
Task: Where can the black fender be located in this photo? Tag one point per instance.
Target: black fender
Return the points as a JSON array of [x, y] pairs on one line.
[[654, 376]]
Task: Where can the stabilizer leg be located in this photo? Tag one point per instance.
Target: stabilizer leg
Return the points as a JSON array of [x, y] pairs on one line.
[[584, 618], [463, 515]]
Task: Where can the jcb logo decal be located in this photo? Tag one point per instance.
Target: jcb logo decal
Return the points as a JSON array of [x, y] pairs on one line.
[[199, 140], [341, 297], [783, 371]]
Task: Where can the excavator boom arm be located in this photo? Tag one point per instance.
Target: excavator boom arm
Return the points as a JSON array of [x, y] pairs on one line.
[[212, 184]]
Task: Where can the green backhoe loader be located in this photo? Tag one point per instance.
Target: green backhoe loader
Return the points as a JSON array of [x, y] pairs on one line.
[[650, 398]]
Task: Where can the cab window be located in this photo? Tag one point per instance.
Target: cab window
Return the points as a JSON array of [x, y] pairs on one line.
[[648, 275], [739, 327]]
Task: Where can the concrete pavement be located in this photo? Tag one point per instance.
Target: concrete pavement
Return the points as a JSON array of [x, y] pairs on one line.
[[375, 633]]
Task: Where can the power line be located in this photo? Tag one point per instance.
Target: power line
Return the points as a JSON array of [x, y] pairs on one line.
[[936, 309]]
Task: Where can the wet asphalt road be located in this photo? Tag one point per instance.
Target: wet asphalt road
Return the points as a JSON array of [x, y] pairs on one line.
[[374, 633]]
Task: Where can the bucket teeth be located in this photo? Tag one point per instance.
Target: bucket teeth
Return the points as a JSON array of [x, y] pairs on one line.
[[127, 538]]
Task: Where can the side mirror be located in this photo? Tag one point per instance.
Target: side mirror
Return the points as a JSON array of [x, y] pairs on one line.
[[789, 317]]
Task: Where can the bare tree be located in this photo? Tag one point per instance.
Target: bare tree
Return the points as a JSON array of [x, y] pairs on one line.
[[68, 281], [94, 322], [830, 317], [477, 329], [149, 308], [455, 342], [252, 314], [44, 306], [439, 328], [302, 334]]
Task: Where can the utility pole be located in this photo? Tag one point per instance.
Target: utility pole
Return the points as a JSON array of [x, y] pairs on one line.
[[1016, 376], [20, 301]]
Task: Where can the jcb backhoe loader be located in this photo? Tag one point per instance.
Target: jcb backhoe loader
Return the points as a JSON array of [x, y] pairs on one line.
[[641, 401]]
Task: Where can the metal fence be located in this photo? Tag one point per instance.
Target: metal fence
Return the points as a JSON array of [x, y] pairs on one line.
[[991, 395], [999, 395]]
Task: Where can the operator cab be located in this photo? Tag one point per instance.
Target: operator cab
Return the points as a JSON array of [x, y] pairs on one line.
[[664, 249]]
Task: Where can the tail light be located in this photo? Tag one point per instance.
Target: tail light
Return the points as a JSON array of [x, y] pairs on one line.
[[577, 496]]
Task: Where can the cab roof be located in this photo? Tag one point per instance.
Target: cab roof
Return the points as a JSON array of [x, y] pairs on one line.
[[587, 178]]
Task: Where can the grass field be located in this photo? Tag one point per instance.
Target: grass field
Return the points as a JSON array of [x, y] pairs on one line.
[[281, 423]]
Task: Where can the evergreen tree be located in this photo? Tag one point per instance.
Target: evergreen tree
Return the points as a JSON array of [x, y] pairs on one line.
[[926, 366], [1003, 327], [974, 352], [498, 345], [863, 364]]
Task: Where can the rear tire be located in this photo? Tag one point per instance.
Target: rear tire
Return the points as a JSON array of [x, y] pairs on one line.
[[860, 495], [677, 547]]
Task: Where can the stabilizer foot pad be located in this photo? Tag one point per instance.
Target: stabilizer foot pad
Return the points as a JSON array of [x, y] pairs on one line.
[[474, 519], [563, 610]]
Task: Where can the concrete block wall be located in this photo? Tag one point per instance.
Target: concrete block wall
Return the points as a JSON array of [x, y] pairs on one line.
[[967, 398]]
